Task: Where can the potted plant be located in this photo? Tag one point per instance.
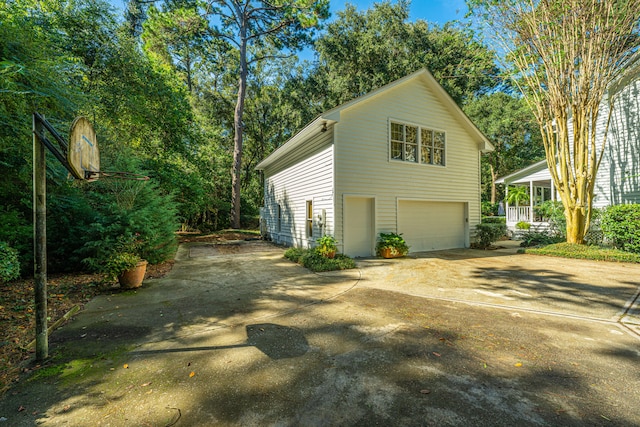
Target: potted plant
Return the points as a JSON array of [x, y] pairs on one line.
[[327, 246], [122, 261], [391, 245]]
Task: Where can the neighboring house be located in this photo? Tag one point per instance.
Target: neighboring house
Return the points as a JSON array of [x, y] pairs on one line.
[[618, 178], [403, 158]]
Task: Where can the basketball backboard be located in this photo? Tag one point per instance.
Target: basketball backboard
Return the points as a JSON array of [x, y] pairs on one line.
[[83, 154]]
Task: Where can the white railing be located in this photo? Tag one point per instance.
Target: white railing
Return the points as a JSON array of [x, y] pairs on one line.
[[516, 214]]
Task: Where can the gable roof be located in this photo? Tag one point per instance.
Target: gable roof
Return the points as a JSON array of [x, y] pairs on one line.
[[523, 173], [332, 116]]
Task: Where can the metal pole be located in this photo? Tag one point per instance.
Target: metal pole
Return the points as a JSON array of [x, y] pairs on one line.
[[40, 240]]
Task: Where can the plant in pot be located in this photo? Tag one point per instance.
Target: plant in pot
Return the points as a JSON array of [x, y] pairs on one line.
[[122, 261], [391, 245], [327, 246]]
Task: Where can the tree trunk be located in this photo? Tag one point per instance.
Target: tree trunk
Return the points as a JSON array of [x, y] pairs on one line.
[[493, 185], [237, 140], [576, 221]]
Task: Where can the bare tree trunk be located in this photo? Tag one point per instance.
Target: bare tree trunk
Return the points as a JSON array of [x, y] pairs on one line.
[[576, 220], [493, 184], [237, 140]]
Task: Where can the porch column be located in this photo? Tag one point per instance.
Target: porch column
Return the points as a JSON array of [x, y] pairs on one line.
[[530, 201], [553, 191], [506, 202]]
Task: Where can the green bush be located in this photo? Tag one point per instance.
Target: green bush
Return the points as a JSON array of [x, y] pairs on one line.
[[315, 261], [294, 254], [9, 263], [538, 238], [133, 211], [494, 220], [621, 225], [552, 212], [523, 225], [489, 209], [487, 233]]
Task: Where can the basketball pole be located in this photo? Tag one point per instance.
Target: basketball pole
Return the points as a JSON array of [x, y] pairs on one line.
[[40, 240]]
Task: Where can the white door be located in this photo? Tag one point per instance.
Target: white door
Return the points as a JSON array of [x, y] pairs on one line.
[[429, 226], [358, 226]]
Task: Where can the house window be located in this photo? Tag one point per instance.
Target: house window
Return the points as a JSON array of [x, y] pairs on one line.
[[309, 218], [279, 218], [416, 144], [404, 142]]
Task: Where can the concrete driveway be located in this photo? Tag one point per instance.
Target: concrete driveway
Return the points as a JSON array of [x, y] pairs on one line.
[[236, 335]]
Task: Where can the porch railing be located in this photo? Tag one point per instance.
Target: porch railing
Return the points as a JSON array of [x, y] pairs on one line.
[[516, 214]]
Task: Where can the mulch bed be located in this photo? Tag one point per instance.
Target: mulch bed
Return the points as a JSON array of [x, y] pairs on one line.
[[64, 292]]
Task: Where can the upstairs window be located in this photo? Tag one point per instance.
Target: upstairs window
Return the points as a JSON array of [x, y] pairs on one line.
[[416, 144]]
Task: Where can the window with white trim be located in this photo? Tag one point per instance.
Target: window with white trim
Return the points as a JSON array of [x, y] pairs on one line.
[[417, 144]]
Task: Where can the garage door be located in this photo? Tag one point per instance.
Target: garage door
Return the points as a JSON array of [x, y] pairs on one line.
[[428, 226]]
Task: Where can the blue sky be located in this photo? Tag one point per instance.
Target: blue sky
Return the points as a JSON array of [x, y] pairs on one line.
[[439, 11]]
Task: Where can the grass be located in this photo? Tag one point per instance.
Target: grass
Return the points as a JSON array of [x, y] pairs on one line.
[[597, 253], [315, 262]]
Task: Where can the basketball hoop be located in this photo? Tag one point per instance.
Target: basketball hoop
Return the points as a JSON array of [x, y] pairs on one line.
[[83, 155]]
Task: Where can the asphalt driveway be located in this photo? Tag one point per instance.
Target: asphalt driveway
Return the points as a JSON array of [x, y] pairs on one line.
[[236, 335]]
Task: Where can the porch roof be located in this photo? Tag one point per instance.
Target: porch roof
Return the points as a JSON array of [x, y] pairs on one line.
[[535, 172]]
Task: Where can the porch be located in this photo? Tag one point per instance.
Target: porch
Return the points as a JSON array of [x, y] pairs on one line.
[[539, 186]]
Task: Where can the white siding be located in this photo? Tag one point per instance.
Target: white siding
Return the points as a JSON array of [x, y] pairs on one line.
[[306, 175], [618, 179], [362, 156]]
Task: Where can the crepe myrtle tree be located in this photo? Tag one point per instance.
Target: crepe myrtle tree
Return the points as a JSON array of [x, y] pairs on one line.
[[250, 25], [564, 55]]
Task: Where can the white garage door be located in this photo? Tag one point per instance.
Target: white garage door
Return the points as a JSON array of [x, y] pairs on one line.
[[429, 226]]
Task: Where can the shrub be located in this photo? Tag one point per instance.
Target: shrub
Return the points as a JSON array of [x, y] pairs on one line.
[[621, 224], [315, 261], [294, 254], [128, 210], [494, 220], [392, 241], [538, 238], [487, 233], [553, 213], [489, 209], [9, 263], [523, 225]]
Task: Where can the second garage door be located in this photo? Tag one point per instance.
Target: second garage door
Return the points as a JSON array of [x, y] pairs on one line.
[[429, 226]]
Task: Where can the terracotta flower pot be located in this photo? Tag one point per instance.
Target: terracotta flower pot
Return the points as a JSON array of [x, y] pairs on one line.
[[386, 253], [133, 278]]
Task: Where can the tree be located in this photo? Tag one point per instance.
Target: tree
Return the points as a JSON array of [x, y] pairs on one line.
[[250, 25], [362, 51], [563, 55], [512, 129], [178, 36]]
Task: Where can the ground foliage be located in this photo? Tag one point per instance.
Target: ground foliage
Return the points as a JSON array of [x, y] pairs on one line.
[[316, 262], [593, 252]]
